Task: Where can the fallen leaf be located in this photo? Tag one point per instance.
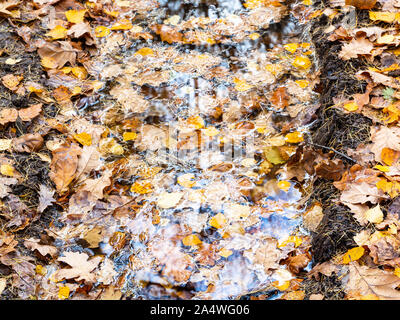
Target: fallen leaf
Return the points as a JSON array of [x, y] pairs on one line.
[[364, 280], [81, 267], [169, 199], [28, 143], [64, 166], [374, 215], [353, 255], [33, 244], [45, 197]]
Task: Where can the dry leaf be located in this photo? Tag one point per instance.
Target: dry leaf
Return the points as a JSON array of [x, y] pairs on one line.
[[81, 267], [364, 280]]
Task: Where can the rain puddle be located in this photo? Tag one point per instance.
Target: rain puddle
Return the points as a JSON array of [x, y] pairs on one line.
[[216, 96]]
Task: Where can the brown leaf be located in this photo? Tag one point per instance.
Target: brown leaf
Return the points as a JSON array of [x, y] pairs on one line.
[[356, 47], [8, 115], [280, 98], [361, 4], [298, 263], [11, 81], [384, 137], [28, 142], [33, 244], [168, 34], [81, 265], [31, 112], [7, 5], [60, 52], [96, 186], [64, 165], [330, 169], [364, 281]]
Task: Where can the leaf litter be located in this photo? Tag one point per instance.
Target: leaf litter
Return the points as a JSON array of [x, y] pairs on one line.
[[106, 195]]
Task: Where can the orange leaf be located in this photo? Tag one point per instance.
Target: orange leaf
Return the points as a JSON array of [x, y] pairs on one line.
[[191, 240]]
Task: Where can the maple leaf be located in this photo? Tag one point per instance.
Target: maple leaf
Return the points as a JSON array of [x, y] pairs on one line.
[[364, 281], [361, 193], [81, 267], [355, 47]]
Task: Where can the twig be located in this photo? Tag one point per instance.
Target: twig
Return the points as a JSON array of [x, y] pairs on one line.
[[331, 149]]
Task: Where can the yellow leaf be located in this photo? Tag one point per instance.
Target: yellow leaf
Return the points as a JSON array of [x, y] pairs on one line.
[[186, 180], [274, 68], [218, 221], [63, 293], [386, 39], [370, 296], [101, 31], [79, 72], [196, 122], [254, 36], [75, 16], [382, 168], [284, 185], [83, 138], [374, 215], [41, 270], [76, 90], [291, 47], [7, 170], [396, 272], [142, 187], [353, 255], [123, 24], [281, 287], [128, 136], [352, 106], [225, 253], [211, 131], [388, 156], [302, 62], [388, 17], [114, 14], [191, 240], [58, 32], [292, 239], [303, 83], [109, 145], [273, 155], [241, 85], [294, 137], [145, 52], [307, 2], [49, 62]]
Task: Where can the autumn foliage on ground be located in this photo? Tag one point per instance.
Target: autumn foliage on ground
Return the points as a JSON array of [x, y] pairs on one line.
[[104, 106]]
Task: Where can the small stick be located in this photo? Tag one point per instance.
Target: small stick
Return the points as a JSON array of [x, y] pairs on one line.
[[331, 149]]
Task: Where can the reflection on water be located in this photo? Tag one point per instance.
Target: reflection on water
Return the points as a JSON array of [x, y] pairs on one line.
[[240, 222]]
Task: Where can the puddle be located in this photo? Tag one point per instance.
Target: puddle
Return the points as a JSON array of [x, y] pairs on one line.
[[201, 107]]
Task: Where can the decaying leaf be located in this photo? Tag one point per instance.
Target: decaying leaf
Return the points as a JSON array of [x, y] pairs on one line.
[[81, 266]]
